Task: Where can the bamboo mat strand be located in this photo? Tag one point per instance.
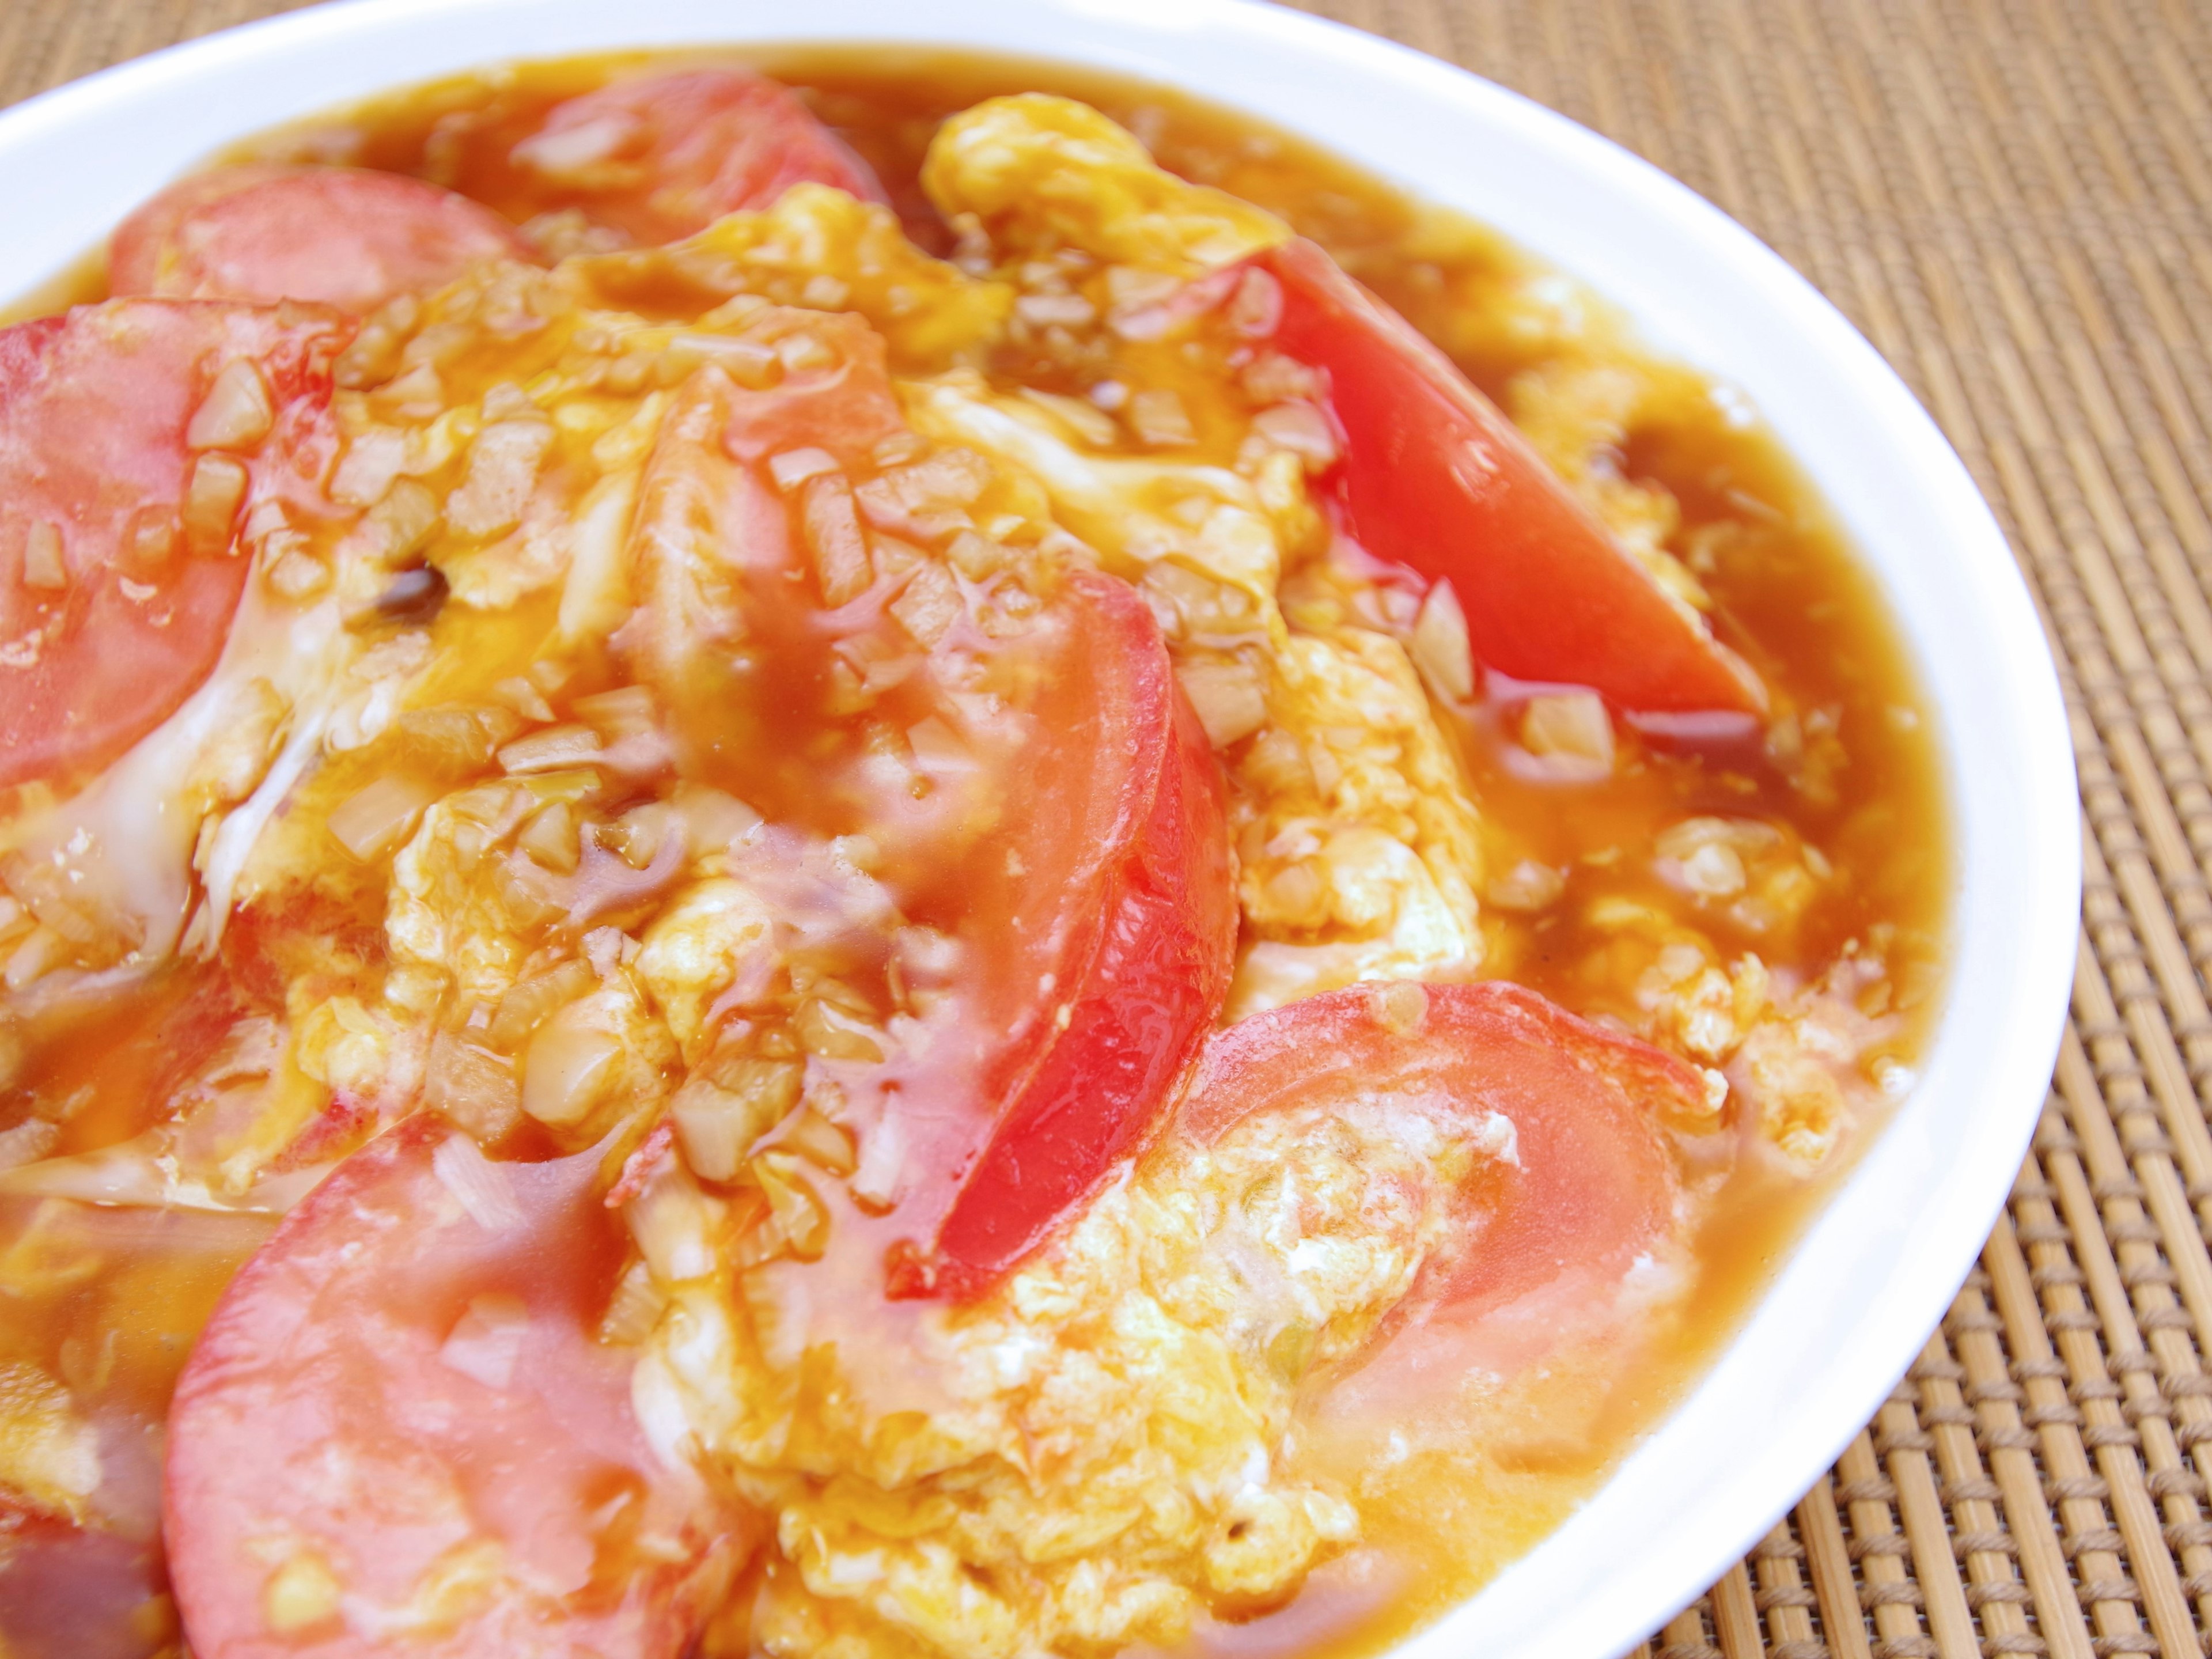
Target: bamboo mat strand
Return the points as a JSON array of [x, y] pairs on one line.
[[2013, 200]]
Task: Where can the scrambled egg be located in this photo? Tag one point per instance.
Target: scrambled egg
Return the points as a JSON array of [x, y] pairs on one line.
[[1104, 1447], [1040, 172], [1099, 1449]]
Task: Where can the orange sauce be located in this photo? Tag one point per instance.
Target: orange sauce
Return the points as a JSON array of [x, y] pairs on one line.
[[1857, 775]]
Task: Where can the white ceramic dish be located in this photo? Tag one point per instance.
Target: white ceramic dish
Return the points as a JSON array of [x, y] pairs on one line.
[[1872, 1276]]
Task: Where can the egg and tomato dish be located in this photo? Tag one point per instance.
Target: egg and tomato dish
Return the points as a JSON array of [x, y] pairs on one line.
[[879, 865]]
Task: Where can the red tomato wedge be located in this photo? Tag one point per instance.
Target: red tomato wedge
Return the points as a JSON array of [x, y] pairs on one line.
[[663, 157], [116, 579], [400, 1434], [1069, 845], [1593, 1181], [1132, 919], [1435, 478], [341, 236]]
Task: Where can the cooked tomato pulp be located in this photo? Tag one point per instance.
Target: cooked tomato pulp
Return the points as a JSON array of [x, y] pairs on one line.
[[1007, 820]]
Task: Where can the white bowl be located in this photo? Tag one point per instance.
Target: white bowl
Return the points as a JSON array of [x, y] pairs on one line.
[[1860, 1293]]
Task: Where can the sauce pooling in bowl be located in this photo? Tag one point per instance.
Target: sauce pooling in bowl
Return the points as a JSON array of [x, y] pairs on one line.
[[1147, 1001]]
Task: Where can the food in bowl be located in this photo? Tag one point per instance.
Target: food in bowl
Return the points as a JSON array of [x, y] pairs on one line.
[[827, 871]]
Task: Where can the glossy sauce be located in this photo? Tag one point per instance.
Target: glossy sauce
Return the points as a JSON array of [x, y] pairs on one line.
[[1856, 774]]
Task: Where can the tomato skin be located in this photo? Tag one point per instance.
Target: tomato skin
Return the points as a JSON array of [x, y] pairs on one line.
[[1146, 985], [663, 157], [338, 236], [1435, 478], [1595, 1115], [95, 406], [324, 1406]]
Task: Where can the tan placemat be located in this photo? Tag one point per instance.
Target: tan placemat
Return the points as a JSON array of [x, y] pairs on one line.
[[2013, 198]]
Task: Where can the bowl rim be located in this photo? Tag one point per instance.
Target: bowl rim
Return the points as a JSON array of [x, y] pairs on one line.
[[1878, 1263]]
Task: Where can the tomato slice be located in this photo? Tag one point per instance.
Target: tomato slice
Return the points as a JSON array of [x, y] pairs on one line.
[[398, 1432], [1593, 1181], [341, 236], [1075, 860], [115, 599], [1435, 478], [1132, 918], [664, 156]]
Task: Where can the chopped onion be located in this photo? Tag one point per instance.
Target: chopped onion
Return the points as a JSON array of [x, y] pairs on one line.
[[1256, 308], [795, 466], [372, 820], [1714, 871], [635, 1309], [554, 749], [529, 1001], [151, 538], [1568, 725], [483, 1189], [44, 568], [1439, 645], [752, 364], [1086, 420], [1303, 430], [1055, 311], [1400, 1007], [567, 1066], [526, 699], [818, 1141], [930, 605], [1158, 418], [798, 1212], [1297, 895], [674, 1224], [503, 469], [833, 536], [712, 819], [1132, 286], [567, 152], [834, 1033], [293, 574], [978, 557], [799, 352], [876, 1180], [938, 749], [623, 712], [211, 502], [403, 520], [1230, 698], [455, 737], [237, 411], [301, 1594], [551, 839], [1527, 885], [641, 834], [718, 1120], [712, 1128], [472, 1087], [372, 462], [1749, 835], [487, 1340]]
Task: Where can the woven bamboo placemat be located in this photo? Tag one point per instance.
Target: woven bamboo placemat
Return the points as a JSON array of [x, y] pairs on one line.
[[2013, 199]]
